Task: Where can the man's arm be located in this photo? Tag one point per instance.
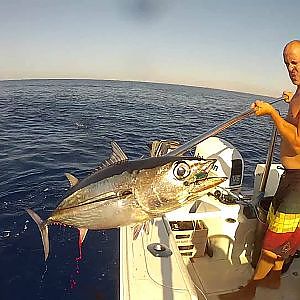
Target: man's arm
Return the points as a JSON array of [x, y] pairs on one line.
[[287, 131]]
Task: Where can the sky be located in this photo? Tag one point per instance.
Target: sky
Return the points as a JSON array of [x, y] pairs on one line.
[[226, 44]]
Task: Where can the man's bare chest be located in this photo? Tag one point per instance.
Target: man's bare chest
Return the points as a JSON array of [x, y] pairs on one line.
[[294, 112]]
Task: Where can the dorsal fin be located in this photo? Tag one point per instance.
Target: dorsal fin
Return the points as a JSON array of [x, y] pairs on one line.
[[117, 156], [72, 179]]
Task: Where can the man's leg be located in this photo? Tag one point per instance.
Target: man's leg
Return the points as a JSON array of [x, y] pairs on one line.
[[266, 263], [265, 276]]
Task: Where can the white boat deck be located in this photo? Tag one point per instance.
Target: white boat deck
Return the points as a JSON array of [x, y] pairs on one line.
[[148, 277], [144, 276], [215, 278]]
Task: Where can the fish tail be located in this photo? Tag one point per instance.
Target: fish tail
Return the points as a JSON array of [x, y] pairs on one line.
[[43, 230]]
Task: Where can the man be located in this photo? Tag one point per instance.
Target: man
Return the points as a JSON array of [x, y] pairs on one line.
[[282, 238]]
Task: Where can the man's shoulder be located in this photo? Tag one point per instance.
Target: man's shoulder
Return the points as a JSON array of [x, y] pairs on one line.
[[294, 107]]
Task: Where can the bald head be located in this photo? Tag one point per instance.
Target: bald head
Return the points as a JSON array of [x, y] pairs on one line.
[[291, 56], [295, 44]]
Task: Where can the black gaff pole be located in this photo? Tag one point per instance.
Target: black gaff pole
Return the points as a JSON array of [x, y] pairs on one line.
[[264, 180], [192, 143]]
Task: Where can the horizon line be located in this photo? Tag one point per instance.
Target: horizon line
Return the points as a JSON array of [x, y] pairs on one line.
[[138, 81]]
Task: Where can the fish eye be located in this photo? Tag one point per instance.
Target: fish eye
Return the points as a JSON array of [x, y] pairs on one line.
[[181, 170]]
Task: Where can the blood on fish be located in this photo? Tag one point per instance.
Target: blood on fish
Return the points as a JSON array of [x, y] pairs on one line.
[[80, 249]]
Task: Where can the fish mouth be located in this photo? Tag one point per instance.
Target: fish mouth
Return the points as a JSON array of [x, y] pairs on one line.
[[208, 182], [201, 187]]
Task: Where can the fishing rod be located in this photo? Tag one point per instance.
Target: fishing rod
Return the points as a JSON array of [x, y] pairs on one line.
[[200, 138]]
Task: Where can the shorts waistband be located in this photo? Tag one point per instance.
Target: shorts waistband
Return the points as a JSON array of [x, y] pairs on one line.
[[294, 171]]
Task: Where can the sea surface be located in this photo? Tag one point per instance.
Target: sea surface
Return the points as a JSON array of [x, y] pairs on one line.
[[49, 127]]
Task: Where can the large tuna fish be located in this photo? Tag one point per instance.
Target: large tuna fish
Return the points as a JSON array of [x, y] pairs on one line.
[[124, 192]]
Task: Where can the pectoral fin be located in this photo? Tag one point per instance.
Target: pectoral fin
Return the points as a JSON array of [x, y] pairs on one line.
[[140, 229]]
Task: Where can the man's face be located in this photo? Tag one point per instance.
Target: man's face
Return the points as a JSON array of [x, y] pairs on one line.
[[291, 57]]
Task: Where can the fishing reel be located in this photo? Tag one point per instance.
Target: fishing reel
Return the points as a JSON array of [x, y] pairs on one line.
[[226, 196]]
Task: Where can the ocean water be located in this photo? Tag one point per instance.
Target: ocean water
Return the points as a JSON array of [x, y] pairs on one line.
[[49, 127]]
